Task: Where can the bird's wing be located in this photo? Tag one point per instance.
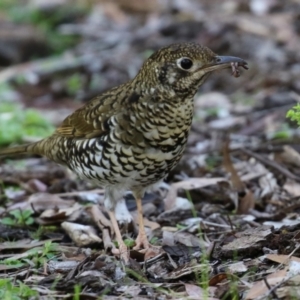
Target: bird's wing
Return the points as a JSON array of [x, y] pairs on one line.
[[91, 120]]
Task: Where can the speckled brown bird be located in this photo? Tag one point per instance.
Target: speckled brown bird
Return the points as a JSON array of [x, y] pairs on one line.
[[131, 136]]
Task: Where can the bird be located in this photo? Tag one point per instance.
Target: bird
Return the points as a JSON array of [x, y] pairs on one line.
[[132, 135]]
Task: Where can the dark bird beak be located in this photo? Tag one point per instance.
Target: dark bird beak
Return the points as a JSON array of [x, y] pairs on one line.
[[228, 60], [223, 62]]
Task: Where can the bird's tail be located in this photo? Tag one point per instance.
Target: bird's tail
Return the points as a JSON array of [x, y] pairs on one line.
[[48, 147], [20, 150]]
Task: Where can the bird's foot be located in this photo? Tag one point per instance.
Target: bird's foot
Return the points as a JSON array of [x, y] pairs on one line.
[[122, 252], [142, 244], [141, 241]]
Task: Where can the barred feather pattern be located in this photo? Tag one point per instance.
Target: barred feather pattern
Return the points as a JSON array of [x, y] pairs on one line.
[[139, 146]]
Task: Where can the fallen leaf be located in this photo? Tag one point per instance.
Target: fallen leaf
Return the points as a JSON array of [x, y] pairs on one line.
[[81, 235], [217, 279], [282, 259], [194, 291], [260, 288]]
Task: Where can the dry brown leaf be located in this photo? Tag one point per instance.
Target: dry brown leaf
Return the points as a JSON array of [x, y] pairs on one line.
[[260, 288], [54, 216], [282, 259], [290, 156], [41, 202], [217, 279]]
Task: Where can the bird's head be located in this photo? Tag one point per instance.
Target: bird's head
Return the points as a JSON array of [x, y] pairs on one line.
[[183, 67]]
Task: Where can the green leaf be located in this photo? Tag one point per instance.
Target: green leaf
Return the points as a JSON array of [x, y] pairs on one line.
[[27, 213], [16, 213], [29, 221], [8, 221], [15, 123], [129, 242], [294, 114]]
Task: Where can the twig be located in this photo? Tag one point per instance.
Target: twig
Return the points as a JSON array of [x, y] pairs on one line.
[[272, 291], [272, 164], [103, 224]]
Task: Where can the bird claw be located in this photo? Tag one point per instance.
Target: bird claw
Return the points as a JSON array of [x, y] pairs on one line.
[[141, 245], [141, 242], [122, 252]]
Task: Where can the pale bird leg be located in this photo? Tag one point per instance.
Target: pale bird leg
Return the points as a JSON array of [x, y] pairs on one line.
[[122, 251], [141, 240]]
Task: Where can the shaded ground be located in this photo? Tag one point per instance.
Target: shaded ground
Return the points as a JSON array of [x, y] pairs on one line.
[[227, 219]]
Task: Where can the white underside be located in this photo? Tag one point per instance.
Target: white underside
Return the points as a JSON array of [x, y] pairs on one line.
[[121, 212]]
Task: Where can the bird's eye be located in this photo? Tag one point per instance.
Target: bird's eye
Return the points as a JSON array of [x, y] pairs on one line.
[[185, 63]]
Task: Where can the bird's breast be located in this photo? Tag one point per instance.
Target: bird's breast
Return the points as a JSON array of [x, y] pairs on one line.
[[165, 124], [137, 151]]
